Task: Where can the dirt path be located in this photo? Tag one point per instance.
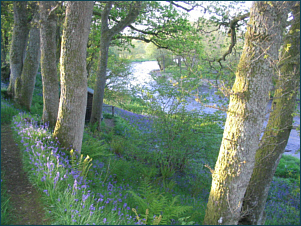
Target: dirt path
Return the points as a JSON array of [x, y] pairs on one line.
[[25, 200]]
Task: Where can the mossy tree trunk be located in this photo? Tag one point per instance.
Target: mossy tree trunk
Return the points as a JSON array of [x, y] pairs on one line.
[[106, 37], [48, 63], [279, 126], [246, 113], [18, 43], [70, 123], [24, 89]]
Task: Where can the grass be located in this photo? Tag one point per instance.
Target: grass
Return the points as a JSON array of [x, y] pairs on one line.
[[5, 204], [8, 108]]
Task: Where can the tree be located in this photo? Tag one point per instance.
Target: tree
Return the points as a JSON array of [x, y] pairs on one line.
[[24, 86], [24, 53], [48, 62], [18, 45], [106, 37], [69, 127], [279, 126], [246, 112], [7, 20]]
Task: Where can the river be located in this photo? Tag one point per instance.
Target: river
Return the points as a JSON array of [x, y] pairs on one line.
[[140, 75]]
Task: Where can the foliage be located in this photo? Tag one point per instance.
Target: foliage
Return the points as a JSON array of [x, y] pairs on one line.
[[7, 21], [289, 167], [166, 151], [121, 127], [108, 174], [66, 192], [78, 164], [126, 101], [117, 145], [136, 51], [37, 99], [5, 203], [155, 208], [94, 147], [7, 111]]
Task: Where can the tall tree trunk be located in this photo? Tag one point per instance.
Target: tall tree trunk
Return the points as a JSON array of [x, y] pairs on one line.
[[246, 113], [106, 37], [24, 89], [100, 84], [18, 44], [48, 63], [70, 123], [278, 128]]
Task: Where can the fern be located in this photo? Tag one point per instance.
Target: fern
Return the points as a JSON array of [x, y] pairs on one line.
[[80, 165], [154, 207]]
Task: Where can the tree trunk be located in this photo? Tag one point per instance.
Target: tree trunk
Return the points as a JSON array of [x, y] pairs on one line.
[[246, 113], [106, 37], [70, 123], [278, 128], [100, 84], [4, 47], [30, 68], [18, 44], [48, 63]]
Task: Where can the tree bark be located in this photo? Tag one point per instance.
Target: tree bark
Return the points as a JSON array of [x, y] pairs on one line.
[[70, 123], [24, 89], [106, 37], [100, 84], [48, 63], [18, 44], [246, 113], [279, 126]]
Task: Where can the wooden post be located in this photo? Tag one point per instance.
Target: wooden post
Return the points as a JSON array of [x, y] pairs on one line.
[[113, 111]]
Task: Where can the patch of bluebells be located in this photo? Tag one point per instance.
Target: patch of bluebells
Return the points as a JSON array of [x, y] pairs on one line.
[[283, 204], [70, 194], [140, 122]]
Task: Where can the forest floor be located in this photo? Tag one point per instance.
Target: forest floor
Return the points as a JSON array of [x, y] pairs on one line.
[[25, 200]]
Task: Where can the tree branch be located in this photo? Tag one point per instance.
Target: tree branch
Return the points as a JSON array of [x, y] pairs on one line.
[[143, 32], [232, 25], [55, 7], [182, 7], [104, 17], [133, 13], [142, 39]]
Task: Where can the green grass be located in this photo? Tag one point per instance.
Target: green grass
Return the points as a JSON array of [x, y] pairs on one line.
[[7, 109], [289, 167], [6, 218]]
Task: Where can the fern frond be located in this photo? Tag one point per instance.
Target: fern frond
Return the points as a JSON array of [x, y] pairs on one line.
[[153, 204]]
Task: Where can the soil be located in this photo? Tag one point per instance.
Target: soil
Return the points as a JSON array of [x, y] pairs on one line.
[[25, 200]]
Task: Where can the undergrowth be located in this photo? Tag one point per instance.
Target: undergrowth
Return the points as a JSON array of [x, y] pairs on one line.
[[125, 179]]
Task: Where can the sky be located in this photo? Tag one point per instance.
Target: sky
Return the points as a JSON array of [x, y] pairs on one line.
[[194, 14]]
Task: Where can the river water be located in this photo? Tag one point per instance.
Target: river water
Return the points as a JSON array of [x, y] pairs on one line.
[[140, 75]]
